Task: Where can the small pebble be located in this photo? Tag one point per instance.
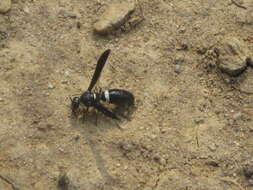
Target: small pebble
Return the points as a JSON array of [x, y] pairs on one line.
[[65, 14], [237, 143], [227, 80], [159, 160], [182, 30], [203, 156], [153, 136], [1, 100], [78, 25], [237, 116], [126, 146], [163, 131], [66, 73], [212, 147], [199, 121], [178, 69], [201, 50], [182, 46], [162, 161], [26, 10], [50, 86], [212, 163], [179, 59]]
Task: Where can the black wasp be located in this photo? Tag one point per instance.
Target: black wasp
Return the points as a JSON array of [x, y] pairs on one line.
[[92, 99]]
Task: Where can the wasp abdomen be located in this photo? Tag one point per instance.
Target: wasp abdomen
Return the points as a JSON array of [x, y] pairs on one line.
[[118, 97]]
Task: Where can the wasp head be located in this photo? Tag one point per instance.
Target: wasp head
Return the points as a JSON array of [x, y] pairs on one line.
[[75, 104]]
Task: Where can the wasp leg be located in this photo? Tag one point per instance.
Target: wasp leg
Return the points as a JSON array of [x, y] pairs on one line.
[[100, 90], [85, 112], [105, 111], [96, 118]]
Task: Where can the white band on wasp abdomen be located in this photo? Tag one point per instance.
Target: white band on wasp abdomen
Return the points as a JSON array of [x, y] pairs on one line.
[[107, 96]]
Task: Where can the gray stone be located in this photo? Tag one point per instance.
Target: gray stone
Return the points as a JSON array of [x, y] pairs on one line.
[[5, 6], [115, 16]]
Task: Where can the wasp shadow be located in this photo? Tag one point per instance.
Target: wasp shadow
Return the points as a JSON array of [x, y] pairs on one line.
[[90, 125]]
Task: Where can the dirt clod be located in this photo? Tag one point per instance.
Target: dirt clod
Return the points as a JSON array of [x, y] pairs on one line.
[[115, 16], [233, 57]]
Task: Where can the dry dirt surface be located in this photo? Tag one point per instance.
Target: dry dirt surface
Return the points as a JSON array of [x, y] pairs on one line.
[[192, 125]]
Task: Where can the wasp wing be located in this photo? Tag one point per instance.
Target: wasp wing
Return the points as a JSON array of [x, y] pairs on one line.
[[100, 65]]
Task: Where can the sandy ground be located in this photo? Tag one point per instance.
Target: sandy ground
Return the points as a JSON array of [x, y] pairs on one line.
[[190, 129]]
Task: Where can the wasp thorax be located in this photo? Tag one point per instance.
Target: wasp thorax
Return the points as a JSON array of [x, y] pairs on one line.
[[87, 98]]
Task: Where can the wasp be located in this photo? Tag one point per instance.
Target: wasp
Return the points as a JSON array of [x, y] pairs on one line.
[[89, 99]]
